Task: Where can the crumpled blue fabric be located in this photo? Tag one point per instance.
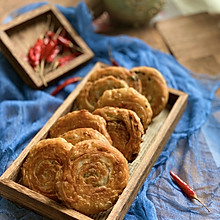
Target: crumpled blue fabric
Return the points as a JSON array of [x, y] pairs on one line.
[[192, 150]]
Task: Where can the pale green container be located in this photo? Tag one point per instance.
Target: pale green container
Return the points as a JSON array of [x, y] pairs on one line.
[[133, 12]]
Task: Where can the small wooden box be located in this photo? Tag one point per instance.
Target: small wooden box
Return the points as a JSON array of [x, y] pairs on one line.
[[17, 36], [155, 139]]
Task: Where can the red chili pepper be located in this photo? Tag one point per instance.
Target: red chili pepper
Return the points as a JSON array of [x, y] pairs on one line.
[[50, 34], [186, 189], [65, 83], [45, 43], [113, 62], [31, 56], [53, 54], [38, 48], [35, 53], [48, 48], [63, 32], [64, 60], [68, 57], [64, 41]]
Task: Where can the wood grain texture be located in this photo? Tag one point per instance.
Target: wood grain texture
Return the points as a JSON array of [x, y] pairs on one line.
[[197, 36], [12, 190], [194, 41], [38, 203]]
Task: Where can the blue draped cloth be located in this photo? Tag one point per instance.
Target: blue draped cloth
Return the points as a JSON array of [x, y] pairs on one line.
[[193, 150]]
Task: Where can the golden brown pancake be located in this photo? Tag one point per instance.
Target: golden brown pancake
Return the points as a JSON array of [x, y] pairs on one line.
[[128, 98], [92, 91], [124, 128], [79, 119], [154, 87], [42, 164], [82, 134], [95, 176], [119, 73]]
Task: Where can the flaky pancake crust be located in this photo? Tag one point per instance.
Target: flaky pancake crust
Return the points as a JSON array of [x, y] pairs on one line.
[[95, 176], [79, 119], [42, 163], [124, 128], [82, 100], [82, 134], [92, 91], [154, 87], [120, 73], [128, 98]]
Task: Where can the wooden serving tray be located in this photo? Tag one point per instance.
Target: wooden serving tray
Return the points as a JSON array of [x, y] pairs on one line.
[[155, 139], [17, 36]]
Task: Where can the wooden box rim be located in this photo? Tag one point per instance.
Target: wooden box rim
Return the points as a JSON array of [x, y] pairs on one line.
[[21, 66], [18, 193]]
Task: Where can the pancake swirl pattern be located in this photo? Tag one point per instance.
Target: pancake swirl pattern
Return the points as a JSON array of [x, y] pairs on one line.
[[42, 164], [120, 73], [128, 98], [154, 87], [79, 119], [92, 91], [82, 134], [95, 176], [124, 128]]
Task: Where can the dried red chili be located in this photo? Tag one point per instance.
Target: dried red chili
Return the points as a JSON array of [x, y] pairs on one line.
[[65, 83], [61, 39], [113, 61], [51, 57], [186, 189], [48, 48], [38, 48], [31, 57], [64, 41], [34, 53], [50, 34], [65, 59], [63, 32]]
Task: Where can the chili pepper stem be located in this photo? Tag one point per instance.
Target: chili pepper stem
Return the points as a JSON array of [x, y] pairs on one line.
[[58, 31], [196, 198], [76, 48], [48, 21], [55, 65], [42, 72], [37, 68]]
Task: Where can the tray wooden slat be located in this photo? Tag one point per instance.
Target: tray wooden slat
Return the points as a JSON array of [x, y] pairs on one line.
[[38, 203], [158, 134]]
